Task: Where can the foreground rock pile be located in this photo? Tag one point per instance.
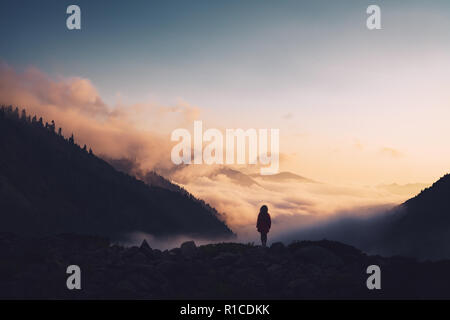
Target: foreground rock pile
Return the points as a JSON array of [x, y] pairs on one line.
[[36, 268]]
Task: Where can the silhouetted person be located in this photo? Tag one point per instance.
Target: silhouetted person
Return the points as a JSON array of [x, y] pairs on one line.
[[263, 224]]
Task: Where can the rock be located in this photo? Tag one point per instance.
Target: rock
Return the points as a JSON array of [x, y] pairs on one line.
[[307, 269], [318, 255], [300, 287], [276, 276], [145, 245], [278, 247], [241, 262], [257, 252], [175, 252], [134, 255], [170, 268], [225, 259], [275, 269], [139, 281], [157, 253], [189, 249], [298, 283], [130, 252], [139, 258], [126, 286]]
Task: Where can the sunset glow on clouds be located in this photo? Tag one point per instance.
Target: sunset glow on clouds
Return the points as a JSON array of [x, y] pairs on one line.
[[141, 132], [357, 110]]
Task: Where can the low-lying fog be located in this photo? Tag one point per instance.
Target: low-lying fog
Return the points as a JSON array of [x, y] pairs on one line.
[[300, 210]]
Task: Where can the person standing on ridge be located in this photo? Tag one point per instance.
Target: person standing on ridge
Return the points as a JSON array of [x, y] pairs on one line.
[[263, 224]]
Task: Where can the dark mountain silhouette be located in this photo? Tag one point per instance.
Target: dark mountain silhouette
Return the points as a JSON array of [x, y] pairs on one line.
[[420, 227], [151, 178], [49, 184]]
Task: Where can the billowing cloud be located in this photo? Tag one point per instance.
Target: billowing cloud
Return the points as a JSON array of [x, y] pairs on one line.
[[141, 132], [292, 204], [132, 131]]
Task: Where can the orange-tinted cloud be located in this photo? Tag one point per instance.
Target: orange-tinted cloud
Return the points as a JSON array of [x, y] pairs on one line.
[[142, 132], [74, 103]]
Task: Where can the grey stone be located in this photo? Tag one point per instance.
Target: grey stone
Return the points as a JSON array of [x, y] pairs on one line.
[[318, 255], [188, 249]]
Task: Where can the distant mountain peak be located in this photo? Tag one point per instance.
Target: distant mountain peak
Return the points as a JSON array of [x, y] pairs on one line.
[[236, 176], [283, 176]]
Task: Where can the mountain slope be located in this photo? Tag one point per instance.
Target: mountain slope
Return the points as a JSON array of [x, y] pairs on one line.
[[50, 185], [151, 178], [420, 227], [283, 177], [236, 177]]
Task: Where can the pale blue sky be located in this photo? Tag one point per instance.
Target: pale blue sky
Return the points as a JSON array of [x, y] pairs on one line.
[[210, 53], [251, 63]]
